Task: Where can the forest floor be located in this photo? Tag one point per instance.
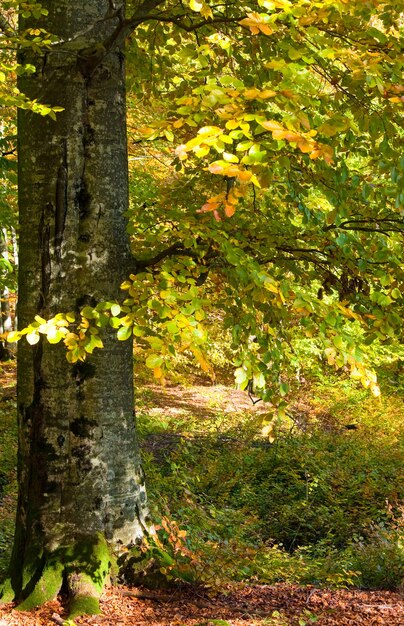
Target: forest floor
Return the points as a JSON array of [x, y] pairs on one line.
[[236, 605], [276, 605]]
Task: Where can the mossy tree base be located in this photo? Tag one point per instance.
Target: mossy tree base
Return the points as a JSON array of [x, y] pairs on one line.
[[7, 593], [83, 569]]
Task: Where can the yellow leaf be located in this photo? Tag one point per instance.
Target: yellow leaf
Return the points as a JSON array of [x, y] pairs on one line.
[[158, 372], [250, 94], [13, 336], [230, 158], [270, 286], [268, 431], [211, 131], [267, 93], [305, 146], [375, 389], [231, 171], [206, 11], [202, 151], [232, 124], [196, 6], [255, 181], [218, 198], [71, 356]]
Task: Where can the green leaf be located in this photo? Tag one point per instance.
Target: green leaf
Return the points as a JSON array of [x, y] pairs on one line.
[[154, 360], [242, 378], [89, 313], [124, 333]]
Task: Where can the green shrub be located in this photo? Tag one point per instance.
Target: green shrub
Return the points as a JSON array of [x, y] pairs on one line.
[[380, 559], [253, 510]]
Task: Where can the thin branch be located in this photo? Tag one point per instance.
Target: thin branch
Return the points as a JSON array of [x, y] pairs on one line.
[[388, 225], [177, 249], [190, 28]]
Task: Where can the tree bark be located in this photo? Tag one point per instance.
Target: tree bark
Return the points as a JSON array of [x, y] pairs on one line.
[[6, 321], [81, 488]]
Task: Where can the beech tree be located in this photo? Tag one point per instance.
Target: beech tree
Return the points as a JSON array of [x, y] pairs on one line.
[[80, 481], [298, 215]]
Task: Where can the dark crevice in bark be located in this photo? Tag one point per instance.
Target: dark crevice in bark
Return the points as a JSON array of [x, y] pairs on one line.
[[61, 204], [46, 267]]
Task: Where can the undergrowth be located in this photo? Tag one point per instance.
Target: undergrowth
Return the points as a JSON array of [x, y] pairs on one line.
[[319, 505]]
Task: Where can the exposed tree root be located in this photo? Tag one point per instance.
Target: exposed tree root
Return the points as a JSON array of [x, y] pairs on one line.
[[82, 568], [6, 592], [84, 595], [47, 587]]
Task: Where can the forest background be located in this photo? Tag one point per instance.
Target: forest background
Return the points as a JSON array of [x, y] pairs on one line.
[[266, 216]]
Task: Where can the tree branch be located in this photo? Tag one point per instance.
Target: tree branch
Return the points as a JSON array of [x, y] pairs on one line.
[[389, 225], [177, 249]]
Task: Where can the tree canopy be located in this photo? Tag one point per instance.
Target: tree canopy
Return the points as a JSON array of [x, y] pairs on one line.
[[266, 184]]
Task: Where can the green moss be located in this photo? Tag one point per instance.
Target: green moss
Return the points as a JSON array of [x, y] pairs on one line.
[[92, 558], [88, 568], [84, 605], [7, 593], [47, 586], [34, 561]]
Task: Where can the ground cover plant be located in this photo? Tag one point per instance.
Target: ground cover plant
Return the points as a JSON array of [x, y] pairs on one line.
[[319, 503]]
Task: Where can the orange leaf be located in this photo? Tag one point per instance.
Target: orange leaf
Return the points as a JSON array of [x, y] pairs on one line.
[[267, 93], [244, 175], [305, 146], [158, 372], [210, 206], [278, 134], [271, 125], [218, 198], [315, 154], [293, 136], [264, 28], [229, 210], [214, 168]]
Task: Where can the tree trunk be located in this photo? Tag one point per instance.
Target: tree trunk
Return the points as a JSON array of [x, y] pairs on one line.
[[6, 321], [81, 488]]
